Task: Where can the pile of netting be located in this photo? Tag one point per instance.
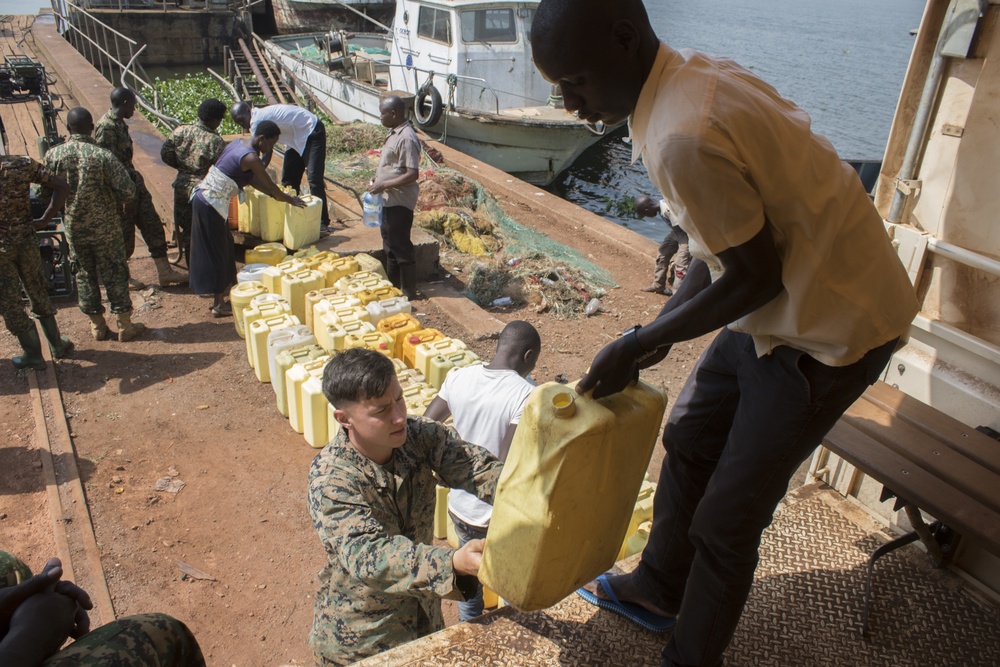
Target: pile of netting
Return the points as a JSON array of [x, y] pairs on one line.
[[505, 262]]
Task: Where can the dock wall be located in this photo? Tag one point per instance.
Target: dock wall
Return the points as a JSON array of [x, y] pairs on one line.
[[174, 37]]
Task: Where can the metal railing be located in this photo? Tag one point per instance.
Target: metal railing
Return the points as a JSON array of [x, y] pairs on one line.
[[112, 53]]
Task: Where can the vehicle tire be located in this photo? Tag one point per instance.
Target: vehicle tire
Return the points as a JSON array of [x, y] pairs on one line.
[[427, 107]]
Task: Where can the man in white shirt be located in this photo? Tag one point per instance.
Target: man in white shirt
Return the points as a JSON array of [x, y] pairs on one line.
[[792, 261], [486, 403], [304, 137]]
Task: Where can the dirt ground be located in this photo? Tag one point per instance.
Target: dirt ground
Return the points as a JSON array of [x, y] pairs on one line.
[[183, 400]]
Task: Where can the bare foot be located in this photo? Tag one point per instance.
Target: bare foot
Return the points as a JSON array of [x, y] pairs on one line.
[[627, 590]]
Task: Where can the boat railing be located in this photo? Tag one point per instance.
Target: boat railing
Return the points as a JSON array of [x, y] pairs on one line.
[[115, 55]]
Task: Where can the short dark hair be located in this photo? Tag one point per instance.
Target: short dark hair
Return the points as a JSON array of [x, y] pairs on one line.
[[121, 95], [211, 110], [357, 374], [267, 129], [519, 337]]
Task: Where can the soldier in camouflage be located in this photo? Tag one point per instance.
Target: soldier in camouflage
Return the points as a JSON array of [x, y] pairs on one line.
[[98, 183], [111, 133], [20, 261], [38, 614], [191, 150], [371, 498]]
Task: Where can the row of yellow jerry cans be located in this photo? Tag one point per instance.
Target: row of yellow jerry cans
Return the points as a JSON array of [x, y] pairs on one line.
[[272, 328]]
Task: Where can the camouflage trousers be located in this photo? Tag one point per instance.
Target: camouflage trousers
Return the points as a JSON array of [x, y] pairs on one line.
[[21, 265], [146, 639], [94, 257], [146, 219]]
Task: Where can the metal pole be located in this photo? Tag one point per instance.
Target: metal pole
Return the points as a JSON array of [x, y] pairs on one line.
[[261, 79]]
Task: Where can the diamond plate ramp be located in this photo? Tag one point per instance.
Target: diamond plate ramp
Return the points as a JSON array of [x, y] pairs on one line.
[[804, 609]]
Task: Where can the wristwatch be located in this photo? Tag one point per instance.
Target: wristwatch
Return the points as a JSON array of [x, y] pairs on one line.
[[632, 340]]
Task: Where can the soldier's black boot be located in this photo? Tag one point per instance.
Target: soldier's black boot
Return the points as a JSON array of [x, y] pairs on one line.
[[59, 344], [32, 346]]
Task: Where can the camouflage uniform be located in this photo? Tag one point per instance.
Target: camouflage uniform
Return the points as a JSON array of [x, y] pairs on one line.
[[146, 639], [98, 186], [384, 579], [20, 261], [191, 150], [111, 133]]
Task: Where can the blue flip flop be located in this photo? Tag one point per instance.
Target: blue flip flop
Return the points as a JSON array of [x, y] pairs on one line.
[[633, 612]]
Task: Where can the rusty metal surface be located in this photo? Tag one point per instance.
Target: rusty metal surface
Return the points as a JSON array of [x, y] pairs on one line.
[[804, 609]]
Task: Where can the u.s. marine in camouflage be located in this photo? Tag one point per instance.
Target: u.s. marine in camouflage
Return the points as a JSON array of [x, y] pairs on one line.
[[145, 639], [98, 184], [111, 133], [191, 150], [384, 580], [20, 262]]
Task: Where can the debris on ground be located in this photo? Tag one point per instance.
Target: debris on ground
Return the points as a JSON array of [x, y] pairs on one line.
[[194, 573]]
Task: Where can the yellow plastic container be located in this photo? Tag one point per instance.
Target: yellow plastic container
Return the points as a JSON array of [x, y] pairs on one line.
[[272, 275], [315, 258], [335, 269], [387, 306], [295, 286], [302, 224], [359, 282], [413, 340], [266, 253], [239, 297], [315, 408], [383, 293], [261, 306], [334, 301], [567, 491], [339, 316], [641, 513], [332, 297], [272, 217], [283, 339], [285, 360], [424, 352], [257, 334], [398, 365], [417, 397], [373, 340], [369, 263], [438, 367], [248, 220], [399, 327], [295, 377], [410, 377]]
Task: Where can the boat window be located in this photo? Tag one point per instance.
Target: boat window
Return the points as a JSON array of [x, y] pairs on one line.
[[434, 24], [489, 25]]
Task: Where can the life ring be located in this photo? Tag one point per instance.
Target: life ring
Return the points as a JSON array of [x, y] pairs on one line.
[[427, 116]]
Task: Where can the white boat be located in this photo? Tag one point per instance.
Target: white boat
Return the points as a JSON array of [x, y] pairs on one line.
[[466, 64]]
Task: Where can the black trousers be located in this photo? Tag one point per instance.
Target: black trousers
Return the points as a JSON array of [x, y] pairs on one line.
[[397, 221], [738, 430], [313, 163]]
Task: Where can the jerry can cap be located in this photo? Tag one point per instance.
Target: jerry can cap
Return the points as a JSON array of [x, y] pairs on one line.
[[563, 404]]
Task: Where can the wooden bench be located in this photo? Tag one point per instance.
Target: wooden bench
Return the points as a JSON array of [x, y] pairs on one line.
[[930, 462]]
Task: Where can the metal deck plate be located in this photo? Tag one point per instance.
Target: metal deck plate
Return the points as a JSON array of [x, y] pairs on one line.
[[804, 609]]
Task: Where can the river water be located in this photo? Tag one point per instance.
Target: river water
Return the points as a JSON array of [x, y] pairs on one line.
[[843, 61]]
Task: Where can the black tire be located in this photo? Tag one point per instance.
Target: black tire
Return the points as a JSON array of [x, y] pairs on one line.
[[427, 107]]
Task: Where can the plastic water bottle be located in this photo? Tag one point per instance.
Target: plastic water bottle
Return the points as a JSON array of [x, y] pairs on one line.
[[372, 204]]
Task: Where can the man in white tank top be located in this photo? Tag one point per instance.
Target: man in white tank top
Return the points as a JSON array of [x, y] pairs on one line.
[[486, 404]]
